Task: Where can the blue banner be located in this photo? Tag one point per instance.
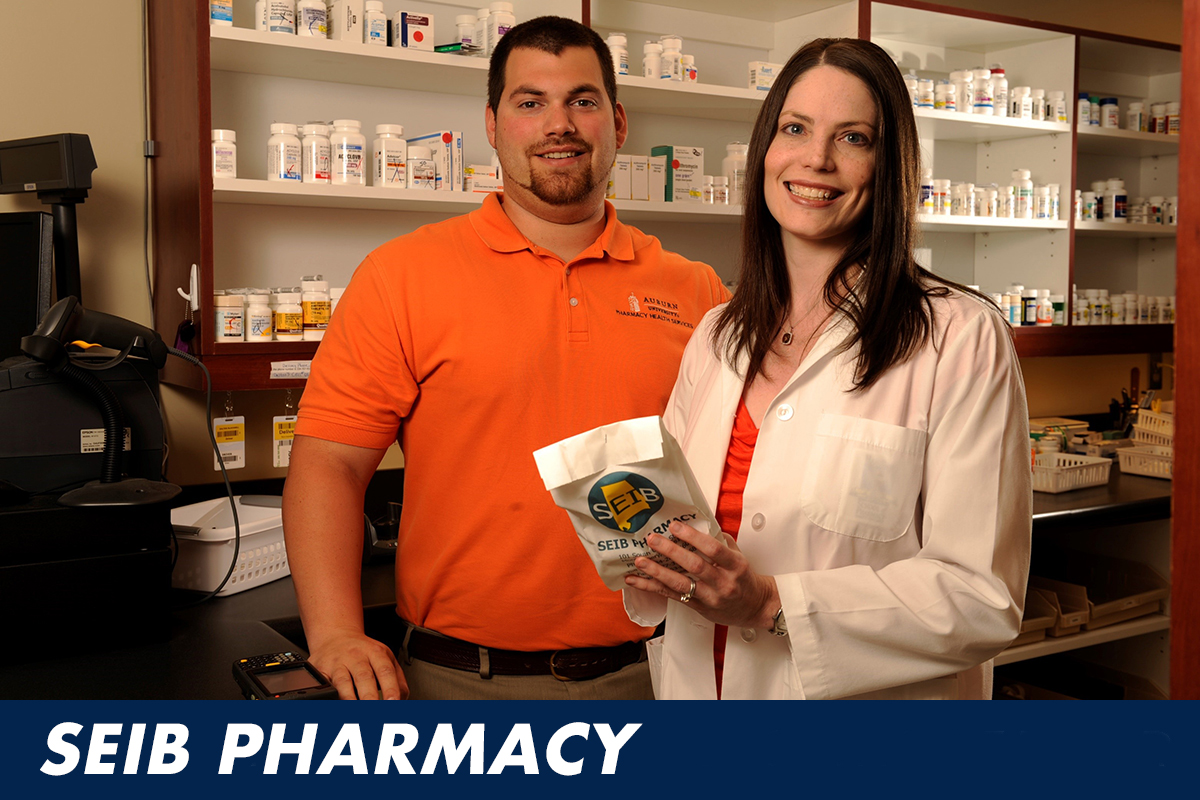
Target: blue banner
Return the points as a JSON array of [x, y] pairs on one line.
[[604, 750]]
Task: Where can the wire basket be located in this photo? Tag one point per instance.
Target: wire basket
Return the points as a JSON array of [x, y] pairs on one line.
[[1148, 436], [1064, 472], [1155, 423], [1155, 462]]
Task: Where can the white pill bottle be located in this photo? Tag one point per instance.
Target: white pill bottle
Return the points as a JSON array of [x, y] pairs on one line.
[[283, 153], [315, 303], [312, 19], [391, 152], [500, 21], [349, 152], [224, 154], [316, 153]]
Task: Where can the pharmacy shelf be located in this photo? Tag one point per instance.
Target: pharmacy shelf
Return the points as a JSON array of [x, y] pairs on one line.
[[1121, 630], [307, 195], [1117, 142], [1126, 230], [953, 126], [1093, 340], [284, 56], [947, 224]]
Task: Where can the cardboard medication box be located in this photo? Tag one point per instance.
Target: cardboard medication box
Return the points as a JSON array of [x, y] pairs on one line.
[[639, 177], [684, 172], [762, 75], [345, 20], [656, 177], [482, 178], [619, 181], [412, 30]]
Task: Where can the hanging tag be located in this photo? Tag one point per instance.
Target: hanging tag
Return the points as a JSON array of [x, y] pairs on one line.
[[284, 429], [231, 441]]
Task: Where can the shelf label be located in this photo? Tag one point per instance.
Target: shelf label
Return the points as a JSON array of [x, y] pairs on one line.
[[290, 370]]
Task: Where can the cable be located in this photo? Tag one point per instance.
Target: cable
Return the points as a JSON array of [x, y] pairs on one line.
[[237, 530], [146, 171]]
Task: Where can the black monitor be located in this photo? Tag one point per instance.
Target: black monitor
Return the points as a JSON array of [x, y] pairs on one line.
[[25, 272]]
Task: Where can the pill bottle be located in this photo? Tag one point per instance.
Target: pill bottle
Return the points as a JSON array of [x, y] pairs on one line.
[[966, 200], [983, 92], [481, 29], [706, 189], [1041, 202], [671, 66], [652, 59], [1023, 103], [224, 154], [220, 13], [689, 68], [1055, 203], [1135, 117], [283, 153], [1038, 105], [1104, 303], [375, 24], [1088, 207], [312, 19], [1118, 309], [1158, 118], [1083, 113], [721, 190], [926, 192], [733, 167], [1001, 301], [1056, 107], [1094, 118], [1172, 119], [992, 201], [940, 94], [315, 153], [260, 15], [618, 46], [1152, 309], [966, 91], [391, 152], [1170, 310], [314, 302], [281, 16], [912, 83], [258, 316], [1000, 97], [925, 93], [289, 317], [1045, 309], [348, 152], [1015, 304], [1091, 312], [1171, 210], [1110, 113], [500, 20], [941, 197], [1024, 193], [465, 23], [1143, 309], [1154, 211], [1007, 203], [1115, 201], [422, 174], [1029, 306], [1058, 306], [229, 318], [1131, 308]]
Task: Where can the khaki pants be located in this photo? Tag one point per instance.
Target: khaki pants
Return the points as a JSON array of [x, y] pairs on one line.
[[430, 682]]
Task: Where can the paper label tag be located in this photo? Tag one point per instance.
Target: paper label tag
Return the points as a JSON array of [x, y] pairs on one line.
[[284, 429], [290, 370], [91, 440], [231, 441]]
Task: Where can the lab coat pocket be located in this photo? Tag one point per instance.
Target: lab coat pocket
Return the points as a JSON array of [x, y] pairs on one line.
[[654, 656], [863, 477]]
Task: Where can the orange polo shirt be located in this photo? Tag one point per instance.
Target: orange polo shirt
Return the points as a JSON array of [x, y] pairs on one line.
[[478, 348]]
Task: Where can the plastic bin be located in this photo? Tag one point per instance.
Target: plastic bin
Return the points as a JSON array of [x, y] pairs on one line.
[[1064, 472], [1156, 422], [1154, 462], [1148, 436], [206, 541]]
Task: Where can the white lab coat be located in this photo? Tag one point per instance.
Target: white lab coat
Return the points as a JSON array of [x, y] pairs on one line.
[[896, 521]]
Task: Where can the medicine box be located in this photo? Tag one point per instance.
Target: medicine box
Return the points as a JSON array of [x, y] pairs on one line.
[[639, 177], [345, 20], [762, 75], [1039, 615], [684, 172], [412, 30], [206, 536], [447, 149], [482, 178], [619, 181], [656, 176]]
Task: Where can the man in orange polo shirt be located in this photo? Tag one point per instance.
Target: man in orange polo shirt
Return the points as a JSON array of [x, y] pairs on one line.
[[480, 340]]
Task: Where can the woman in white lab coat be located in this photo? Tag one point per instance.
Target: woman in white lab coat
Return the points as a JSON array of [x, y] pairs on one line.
[[858, 424]]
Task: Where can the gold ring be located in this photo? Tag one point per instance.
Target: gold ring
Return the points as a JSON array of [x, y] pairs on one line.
[[686, 598]]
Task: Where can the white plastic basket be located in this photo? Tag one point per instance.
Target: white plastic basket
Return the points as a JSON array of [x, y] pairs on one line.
[[1155, 422], [1155, 462], [1062, 472], [1148, 436], [206, 539]]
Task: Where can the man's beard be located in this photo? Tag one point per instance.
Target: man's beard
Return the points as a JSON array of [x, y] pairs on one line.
[[562, 190]]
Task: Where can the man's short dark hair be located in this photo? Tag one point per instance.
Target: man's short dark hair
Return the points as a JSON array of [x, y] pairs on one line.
[[550, 35]]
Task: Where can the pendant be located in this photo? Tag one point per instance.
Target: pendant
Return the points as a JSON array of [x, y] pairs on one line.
[[786, 338]]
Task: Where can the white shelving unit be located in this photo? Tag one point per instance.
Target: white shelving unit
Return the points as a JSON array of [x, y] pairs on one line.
[[1065, 644]]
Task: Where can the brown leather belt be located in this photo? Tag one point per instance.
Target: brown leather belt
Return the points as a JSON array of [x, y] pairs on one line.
[[579, 664]]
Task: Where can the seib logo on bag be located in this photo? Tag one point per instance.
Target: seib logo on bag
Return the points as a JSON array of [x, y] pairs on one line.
[[624, 501]]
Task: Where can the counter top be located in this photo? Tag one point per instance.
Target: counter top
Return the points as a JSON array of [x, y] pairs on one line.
[[1125, 499]]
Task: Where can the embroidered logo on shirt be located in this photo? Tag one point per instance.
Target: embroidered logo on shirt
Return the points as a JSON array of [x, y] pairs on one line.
[[663, 310], [634, 305], [624, 501]]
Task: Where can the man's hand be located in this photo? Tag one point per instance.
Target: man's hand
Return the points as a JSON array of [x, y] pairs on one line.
[[359, 667]]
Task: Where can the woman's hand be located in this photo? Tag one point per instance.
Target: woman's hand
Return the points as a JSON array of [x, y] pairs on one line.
[[728, 591]]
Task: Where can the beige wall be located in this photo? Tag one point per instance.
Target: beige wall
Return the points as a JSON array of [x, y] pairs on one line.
[[60, 76]]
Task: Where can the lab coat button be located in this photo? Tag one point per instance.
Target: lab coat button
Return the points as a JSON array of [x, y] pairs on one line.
[[757, 522], [749, 635], [574, 301], [784, 412]]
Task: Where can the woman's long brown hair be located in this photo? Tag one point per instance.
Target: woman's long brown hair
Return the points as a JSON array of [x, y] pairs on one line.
[[890, 308]]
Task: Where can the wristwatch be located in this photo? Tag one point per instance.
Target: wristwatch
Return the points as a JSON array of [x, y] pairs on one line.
[[779, 623]]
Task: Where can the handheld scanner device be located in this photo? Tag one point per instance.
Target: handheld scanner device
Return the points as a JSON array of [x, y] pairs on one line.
[[281, 676], [67, 321]]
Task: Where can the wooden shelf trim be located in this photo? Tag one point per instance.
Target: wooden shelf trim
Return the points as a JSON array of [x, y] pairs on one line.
[[1093, 340], [1048, 646]]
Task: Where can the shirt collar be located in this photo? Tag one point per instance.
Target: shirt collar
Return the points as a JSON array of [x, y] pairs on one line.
[[500, 234]]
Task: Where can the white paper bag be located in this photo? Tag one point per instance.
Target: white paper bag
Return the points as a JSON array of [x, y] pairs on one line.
[[619, 483]]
